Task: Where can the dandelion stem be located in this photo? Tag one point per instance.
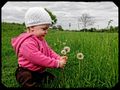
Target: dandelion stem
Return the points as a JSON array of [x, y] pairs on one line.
[[63, 75], [79, 72]]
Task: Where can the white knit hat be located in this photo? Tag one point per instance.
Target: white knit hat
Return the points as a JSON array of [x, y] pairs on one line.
[[37, 16]]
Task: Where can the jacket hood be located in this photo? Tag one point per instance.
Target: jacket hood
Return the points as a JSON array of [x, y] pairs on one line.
[[17, 41]]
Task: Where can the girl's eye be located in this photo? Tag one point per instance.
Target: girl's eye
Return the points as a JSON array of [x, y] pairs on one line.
[[45, 28]]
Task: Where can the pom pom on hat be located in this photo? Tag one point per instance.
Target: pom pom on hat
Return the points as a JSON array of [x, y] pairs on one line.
[[37, 16]]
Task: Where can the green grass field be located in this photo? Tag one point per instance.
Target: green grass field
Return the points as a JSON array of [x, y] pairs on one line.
[[98, 69]]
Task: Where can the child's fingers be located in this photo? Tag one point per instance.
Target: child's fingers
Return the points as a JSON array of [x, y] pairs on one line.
[[66, 57]]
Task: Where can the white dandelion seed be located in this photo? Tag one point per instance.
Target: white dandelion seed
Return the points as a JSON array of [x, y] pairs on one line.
[[67, 49], [64, 43], [80, 56], [63, 52]]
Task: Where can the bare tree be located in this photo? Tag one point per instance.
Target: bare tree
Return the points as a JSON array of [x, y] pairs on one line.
[[109, 22], [86, 20]]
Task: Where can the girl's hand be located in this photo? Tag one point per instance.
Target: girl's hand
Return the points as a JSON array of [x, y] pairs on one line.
[[62, 61], [64, 57]]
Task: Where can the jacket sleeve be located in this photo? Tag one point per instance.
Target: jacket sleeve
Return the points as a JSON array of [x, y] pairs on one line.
[[54, 54], [31, 52]]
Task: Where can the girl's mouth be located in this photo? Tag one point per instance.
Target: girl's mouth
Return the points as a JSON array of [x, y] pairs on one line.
[[43, 35]]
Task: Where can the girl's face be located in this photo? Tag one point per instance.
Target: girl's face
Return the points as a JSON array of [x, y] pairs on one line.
[[39, 30]]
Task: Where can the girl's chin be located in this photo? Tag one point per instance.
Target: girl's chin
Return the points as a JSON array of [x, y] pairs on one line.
[[42, 36]]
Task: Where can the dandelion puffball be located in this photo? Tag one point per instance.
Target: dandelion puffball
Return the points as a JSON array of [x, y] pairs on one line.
[[67, 49], [63, 52], [64, 43], [80, 56]]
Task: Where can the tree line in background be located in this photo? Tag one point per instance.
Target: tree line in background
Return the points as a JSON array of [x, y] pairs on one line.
[[59, 28], [111, 29]]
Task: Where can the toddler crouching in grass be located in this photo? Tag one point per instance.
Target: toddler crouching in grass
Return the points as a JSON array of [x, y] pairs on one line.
[[33, 52]]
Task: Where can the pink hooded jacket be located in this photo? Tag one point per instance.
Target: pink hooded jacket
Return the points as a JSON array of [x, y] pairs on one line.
[[34, 53]]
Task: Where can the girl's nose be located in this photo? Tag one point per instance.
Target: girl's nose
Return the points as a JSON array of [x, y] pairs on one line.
[[46, 31]]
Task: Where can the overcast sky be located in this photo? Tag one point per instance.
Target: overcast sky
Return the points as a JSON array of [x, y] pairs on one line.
[[65, 11]]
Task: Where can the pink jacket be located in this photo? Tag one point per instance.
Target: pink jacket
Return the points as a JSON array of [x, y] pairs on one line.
[[34, 53]]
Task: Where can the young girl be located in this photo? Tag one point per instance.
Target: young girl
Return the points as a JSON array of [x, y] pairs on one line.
[[33, 52]]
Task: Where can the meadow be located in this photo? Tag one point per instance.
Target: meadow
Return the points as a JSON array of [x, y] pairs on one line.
[[98, 69]]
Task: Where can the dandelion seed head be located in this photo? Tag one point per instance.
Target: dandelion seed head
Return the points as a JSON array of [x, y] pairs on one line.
[[80, 56], [63, 52], [67, 49], [64, 43]]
